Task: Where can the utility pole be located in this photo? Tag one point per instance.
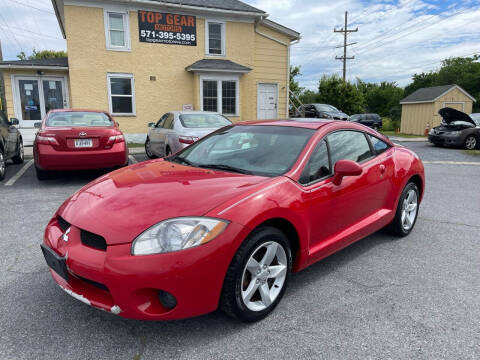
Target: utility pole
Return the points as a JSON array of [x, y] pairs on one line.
[[345, 32]]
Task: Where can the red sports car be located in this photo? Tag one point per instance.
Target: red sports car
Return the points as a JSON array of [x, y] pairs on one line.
[[78, 140], [225, 221]]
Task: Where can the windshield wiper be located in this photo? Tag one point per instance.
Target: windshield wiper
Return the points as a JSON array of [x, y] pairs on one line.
[[181, 160], [225, 167]]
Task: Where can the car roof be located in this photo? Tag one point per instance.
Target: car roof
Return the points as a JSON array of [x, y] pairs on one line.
[[78, 110], [307, 123]]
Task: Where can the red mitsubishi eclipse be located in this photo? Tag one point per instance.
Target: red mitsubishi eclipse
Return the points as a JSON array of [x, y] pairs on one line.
[[225, 221], [78, 140]]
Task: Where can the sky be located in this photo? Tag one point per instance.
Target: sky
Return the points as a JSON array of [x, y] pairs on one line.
[[395, 38]]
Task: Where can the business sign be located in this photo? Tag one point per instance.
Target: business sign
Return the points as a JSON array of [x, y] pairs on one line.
[[166, 28]]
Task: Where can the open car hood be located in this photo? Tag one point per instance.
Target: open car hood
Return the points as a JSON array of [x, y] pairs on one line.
[[449, 115]]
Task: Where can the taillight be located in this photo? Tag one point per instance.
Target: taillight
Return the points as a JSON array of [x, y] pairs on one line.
[[115, 139], [187, 139], [47, 140]]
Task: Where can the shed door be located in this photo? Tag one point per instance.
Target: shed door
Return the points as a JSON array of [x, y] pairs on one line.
[[267, 101]]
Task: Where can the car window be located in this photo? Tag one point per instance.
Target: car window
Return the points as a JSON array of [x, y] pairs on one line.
[[3, 119], [159, 123], [260, 150], [348, 145], [77, 118], [318, 165], [323, 107], [379, 146], [204, 121], [168, 123], [476, 117]]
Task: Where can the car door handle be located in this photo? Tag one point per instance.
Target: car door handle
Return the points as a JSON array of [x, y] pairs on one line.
[[382, 169]]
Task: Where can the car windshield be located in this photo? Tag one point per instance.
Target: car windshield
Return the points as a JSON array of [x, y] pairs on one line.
[[460, 122], [355, 117], [76, 118], [258, 150], [476, 118], [324, 107], [204, 121]]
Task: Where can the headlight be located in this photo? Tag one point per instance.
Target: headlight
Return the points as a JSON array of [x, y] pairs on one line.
[[177, 234], [431, 132], [453, 133]]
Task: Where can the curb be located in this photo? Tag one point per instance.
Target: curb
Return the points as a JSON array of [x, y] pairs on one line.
[[402, 139]]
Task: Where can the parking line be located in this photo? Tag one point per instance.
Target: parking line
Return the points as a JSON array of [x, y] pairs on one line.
[[132, 159], [452, 163], [20, 173]]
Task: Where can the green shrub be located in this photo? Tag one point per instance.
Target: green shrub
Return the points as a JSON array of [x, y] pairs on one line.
[[389, 124]]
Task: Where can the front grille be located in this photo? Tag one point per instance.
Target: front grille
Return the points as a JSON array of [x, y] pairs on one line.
[[93, 240], [64, 225], [93, 283]]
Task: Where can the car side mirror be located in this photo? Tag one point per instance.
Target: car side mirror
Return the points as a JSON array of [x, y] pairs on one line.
[[37, 125], [14, 121], [151, 125], [345, 168]]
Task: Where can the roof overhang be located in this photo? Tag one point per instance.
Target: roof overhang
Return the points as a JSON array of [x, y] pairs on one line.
[[294, 35], [222, 71], [58, 8], [33, 67], [439, 96]]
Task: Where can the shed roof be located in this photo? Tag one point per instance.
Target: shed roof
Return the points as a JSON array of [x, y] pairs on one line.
[[431, 94], [55, 63], [218, 65]]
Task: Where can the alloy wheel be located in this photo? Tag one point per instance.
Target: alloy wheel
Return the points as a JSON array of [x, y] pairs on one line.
[[148, 148], [471, 143], [264, 276], [409, 209], [21, 152]]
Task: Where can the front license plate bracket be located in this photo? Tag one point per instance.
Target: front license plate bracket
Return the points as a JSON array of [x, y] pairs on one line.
[[55, 262]]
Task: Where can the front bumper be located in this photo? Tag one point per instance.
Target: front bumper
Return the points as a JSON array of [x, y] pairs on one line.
[[47, 158], [445, 140], [117, 282]]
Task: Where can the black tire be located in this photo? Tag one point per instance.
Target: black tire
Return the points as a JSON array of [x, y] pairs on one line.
[[396, 227], [148, 151], [3, 165], [471, 142], [42, 174], [375, 127], [19, 156], [231, 301]]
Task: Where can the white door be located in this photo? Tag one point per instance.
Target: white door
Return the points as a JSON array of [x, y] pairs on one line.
[[267, 100], [35, 96]]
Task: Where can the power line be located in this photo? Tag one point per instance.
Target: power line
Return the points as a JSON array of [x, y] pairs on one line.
[[13, 34], [33, 33], [344, 58], [32, 7]]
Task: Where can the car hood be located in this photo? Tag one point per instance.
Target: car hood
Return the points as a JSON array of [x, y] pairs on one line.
[[334, 113], [449, 115], [121, 205]]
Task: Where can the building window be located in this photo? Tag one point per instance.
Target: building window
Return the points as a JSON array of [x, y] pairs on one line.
[[117, 31], [215, 38], [121, 93], [210, 95], [220, 95]]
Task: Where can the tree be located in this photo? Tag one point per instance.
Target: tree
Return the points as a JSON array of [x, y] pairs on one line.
[[461, 71], [294, 85], [343, 95], [384, 99], [43, 54]]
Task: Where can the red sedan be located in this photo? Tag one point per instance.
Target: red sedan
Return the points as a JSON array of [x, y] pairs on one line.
[[224, 222], [78, 140]]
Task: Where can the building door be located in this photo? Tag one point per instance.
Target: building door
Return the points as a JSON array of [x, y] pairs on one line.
[[37, 95], [267, 99]]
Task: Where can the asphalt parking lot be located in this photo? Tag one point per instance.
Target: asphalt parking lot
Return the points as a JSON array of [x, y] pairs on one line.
[[417, 297]]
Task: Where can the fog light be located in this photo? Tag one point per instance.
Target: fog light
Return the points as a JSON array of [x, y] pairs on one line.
[[166, 299]]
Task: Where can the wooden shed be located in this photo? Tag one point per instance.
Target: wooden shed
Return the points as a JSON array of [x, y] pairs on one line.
[[420, 109]]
